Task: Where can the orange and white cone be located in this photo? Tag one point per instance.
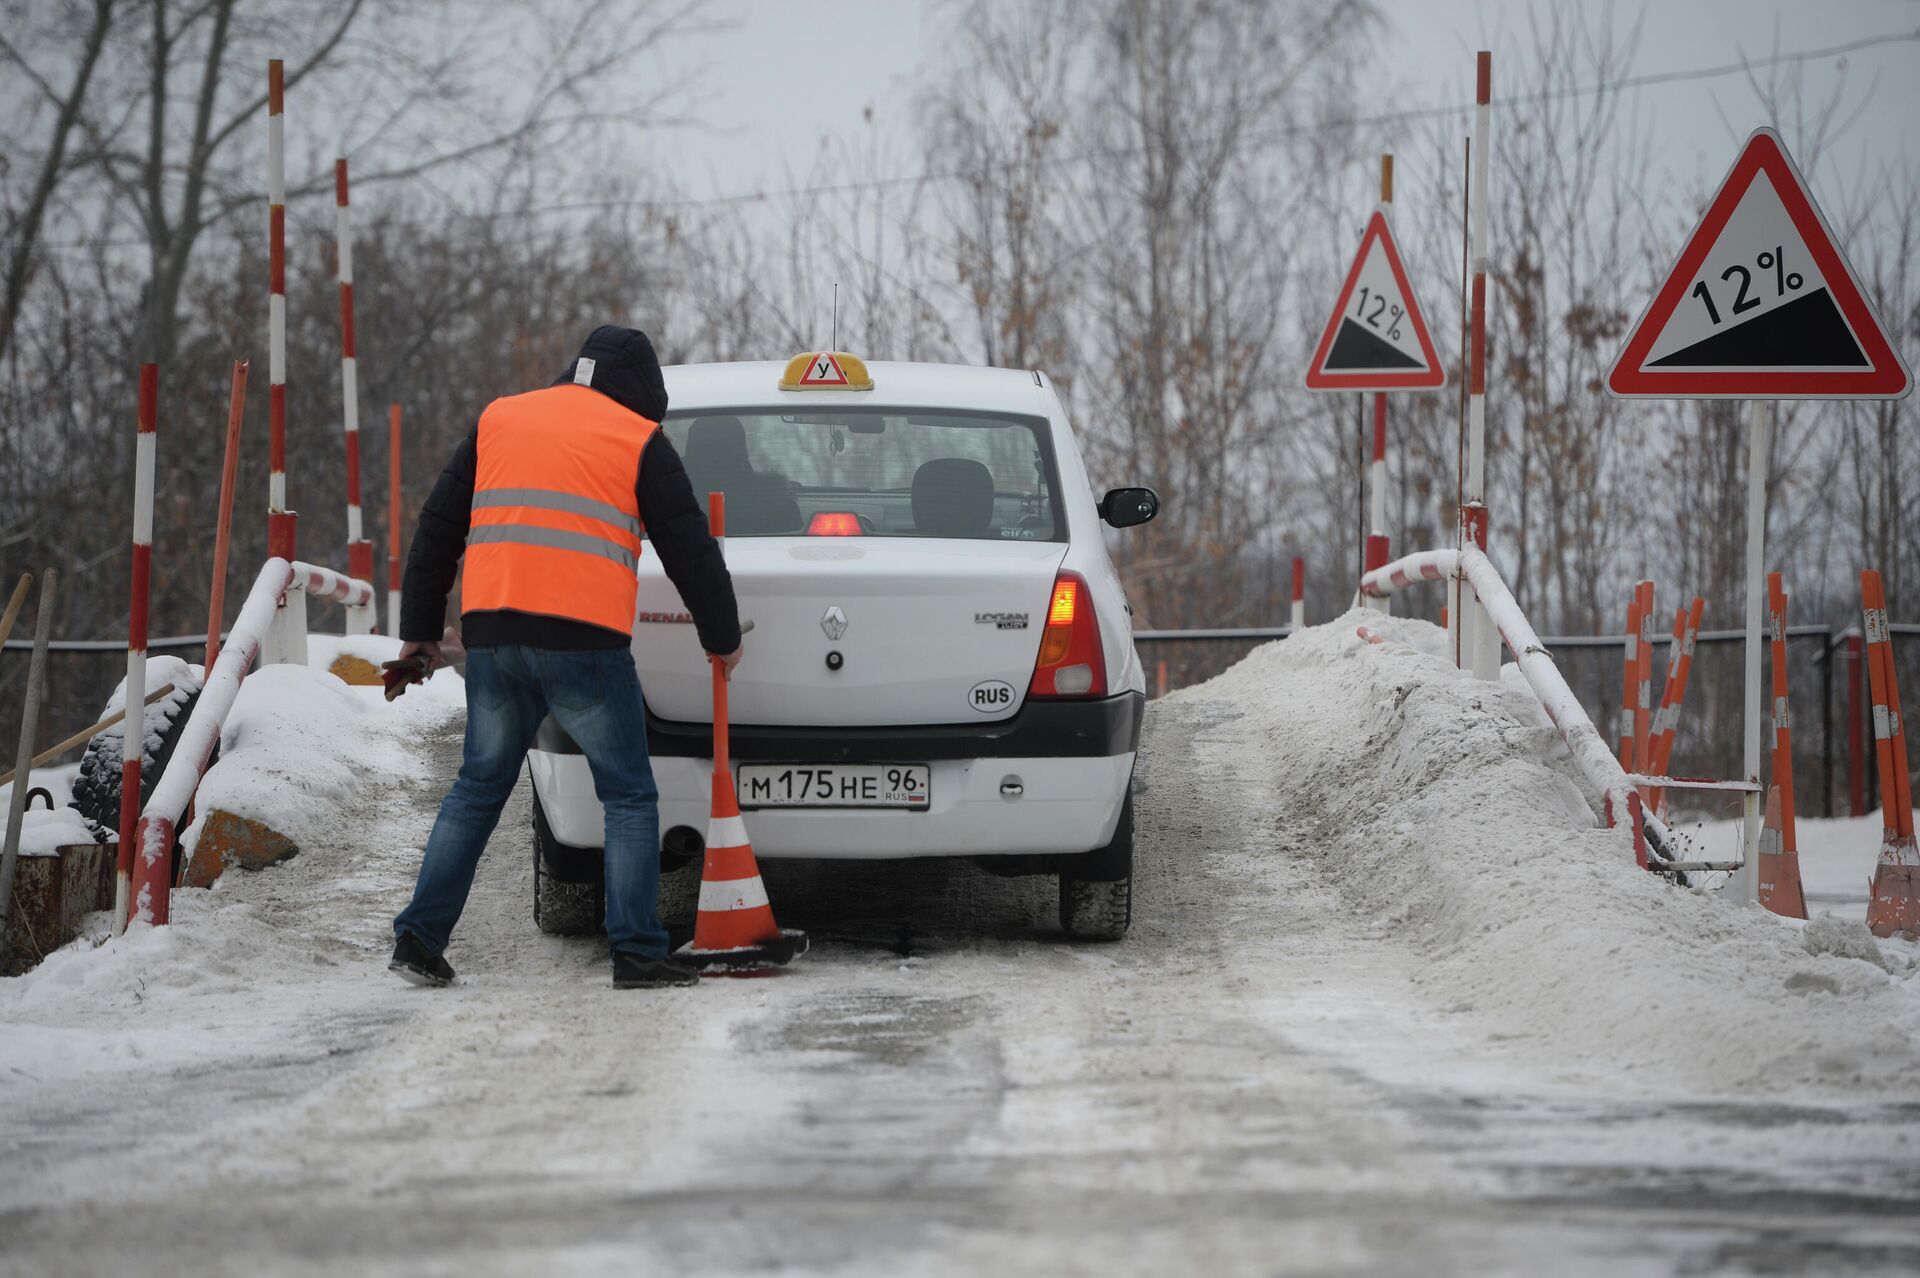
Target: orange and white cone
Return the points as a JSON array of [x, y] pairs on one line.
[[1779, 864], [735, 930]]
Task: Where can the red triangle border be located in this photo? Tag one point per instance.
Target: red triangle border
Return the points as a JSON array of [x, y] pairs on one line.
[[1433, 377]]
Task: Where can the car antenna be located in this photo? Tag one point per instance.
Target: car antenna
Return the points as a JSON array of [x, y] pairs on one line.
[[835, 345]]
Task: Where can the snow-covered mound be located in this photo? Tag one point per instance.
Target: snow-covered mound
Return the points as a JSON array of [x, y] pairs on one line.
[[1449, 810]]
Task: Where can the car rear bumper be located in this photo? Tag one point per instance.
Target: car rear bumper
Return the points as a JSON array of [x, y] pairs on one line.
[[1064, 806]]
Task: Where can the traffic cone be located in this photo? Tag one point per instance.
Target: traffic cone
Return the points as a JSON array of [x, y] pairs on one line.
[[1779, 864], [1894, 904], [734, 930]]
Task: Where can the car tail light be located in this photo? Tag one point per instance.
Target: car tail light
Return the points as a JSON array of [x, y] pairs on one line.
[[834, 523], [1071, 661]]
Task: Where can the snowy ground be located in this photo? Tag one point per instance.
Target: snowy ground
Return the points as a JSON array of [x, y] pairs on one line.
[[1389, 1005]]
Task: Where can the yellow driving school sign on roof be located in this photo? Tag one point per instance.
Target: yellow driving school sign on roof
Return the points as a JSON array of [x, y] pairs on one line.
[[826, 370]]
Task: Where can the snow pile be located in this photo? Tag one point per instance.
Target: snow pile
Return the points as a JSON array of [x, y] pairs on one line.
[[1448, 809], [42, 831], [301, 750]]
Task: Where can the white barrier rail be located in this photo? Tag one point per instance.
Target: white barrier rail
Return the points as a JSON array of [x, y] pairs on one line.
[[1590, 751], [272, 623]]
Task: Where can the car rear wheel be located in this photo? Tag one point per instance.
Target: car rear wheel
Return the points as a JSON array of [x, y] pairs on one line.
[[1096, 893], [562, 908]]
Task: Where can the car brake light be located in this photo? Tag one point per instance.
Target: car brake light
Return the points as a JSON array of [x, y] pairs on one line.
[[834, 523], [1071, 661]]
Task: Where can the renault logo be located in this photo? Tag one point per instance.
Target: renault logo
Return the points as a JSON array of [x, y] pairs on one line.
[[834, 622]]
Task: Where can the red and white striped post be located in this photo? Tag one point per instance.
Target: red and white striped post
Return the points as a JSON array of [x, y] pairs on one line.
[[1780, 889], [133, 729], [1666, 723], [1378, 543], [1630, 665], [1894, 903], [1480, 642], [393, 520], [1297, 615], [360, 621], [1643, 678], [281, 532], [1856, 729], [223, 525]]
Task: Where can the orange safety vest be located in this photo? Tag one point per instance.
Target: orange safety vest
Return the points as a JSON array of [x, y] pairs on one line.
[[556, 526]]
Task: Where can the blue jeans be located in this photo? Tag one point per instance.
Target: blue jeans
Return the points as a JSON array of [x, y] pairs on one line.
[[596, 698]]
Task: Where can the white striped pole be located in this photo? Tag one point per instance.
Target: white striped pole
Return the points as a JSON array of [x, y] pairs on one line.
[[1480, 642], [1378, 543], [1297, 615], [280, 521], [360, 621], [133, 728]]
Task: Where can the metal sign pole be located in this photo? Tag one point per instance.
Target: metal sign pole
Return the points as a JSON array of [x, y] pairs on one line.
[[1759, 427]]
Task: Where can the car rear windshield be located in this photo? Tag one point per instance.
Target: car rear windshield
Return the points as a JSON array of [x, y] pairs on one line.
[[874, 473]]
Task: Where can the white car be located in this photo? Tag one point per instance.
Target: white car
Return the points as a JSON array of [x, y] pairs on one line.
[[941, 662]]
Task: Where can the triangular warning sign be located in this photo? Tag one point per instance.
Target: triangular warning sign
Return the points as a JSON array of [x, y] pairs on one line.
[[1761, 304], [824, 370], [1377, 338]]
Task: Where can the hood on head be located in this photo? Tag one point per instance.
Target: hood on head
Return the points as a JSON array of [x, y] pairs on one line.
[[620, 364]]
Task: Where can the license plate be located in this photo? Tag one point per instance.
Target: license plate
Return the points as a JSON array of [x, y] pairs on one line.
[[840, 785]]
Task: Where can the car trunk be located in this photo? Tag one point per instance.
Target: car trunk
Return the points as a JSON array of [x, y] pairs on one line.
[[934, 631]]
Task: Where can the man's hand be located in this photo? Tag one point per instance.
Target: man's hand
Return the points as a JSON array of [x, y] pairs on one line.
[[435, 657], [727, 662]]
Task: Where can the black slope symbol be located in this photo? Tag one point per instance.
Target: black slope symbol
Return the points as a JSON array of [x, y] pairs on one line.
[[1356, 350], [1807, 332]]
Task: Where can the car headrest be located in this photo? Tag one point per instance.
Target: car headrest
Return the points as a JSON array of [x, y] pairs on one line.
[[717, 442], [952, 497]]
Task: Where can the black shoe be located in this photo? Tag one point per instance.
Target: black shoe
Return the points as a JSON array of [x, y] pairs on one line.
[[637, 972], [411, 960]]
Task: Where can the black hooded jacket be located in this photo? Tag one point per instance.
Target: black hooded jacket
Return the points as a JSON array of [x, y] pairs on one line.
[[625, 370]]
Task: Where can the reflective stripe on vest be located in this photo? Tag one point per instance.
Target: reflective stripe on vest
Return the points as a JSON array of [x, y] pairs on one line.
[[555, 529]]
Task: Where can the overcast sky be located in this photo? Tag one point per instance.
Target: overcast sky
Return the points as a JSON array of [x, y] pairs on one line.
[[769, 104]]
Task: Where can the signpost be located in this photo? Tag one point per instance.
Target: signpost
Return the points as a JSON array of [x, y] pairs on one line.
[[1760, 306], [1377, 340]]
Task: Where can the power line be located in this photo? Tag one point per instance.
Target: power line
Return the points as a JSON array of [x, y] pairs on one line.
[[1254, 138]]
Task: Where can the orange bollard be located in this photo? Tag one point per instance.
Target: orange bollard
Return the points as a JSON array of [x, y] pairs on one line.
[[1894, 906], [1780, 889], [1666, 725]]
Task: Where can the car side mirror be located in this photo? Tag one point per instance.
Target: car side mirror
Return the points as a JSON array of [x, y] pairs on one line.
[[1126, 507]]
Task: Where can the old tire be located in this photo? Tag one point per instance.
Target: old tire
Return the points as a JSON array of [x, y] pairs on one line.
[[1096, 890], [96, 790], [560, 907]]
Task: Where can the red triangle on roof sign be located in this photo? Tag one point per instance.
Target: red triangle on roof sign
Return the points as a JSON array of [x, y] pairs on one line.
[[1761, 304], [1377, 338], [824, 370]]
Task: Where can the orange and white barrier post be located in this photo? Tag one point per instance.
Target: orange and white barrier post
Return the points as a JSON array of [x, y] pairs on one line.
[[1297, 612], [223, 526], [1779, 851], [1894, 906], [1673, 693], [360, 621], [1630, 665], [1643, 678], [133, 728], [1856, 727], [734, 930], [281, 533], [393, 520]]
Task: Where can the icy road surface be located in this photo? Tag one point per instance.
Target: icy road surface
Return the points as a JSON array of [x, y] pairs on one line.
[[1385, 1008]]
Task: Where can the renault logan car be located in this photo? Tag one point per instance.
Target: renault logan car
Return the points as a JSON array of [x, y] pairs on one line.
[[941, 661]]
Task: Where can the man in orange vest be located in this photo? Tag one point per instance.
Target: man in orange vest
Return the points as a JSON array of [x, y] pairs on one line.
[[547, 500]]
